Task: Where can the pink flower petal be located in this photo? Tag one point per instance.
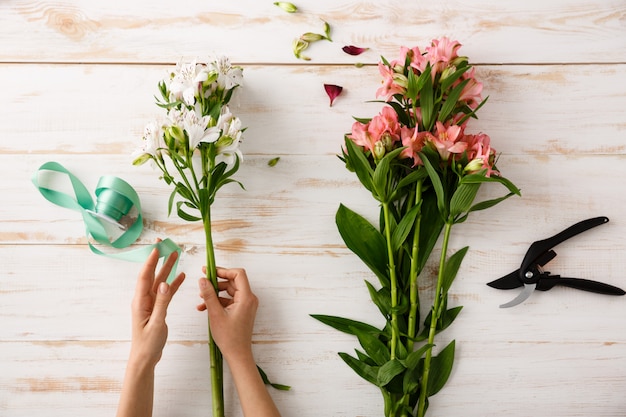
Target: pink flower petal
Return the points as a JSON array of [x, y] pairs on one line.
[[333, 92], [353, 50]]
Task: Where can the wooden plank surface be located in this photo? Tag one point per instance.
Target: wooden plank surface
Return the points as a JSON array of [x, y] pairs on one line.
[[78, 80]]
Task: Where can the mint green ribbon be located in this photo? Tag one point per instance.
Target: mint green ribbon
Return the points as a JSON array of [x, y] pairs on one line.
[[114, 199]]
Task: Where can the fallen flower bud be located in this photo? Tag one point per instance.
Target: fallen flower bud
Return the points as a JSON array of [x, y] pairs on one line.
[[288, 7]]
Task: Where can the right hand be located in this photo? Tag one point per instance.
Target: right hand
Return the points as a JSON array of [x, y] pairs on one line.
[[231, 318]]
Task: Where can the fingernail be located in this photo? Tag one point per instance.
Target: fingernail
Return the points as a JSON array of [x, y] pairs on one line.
[[203, 283], [164, 288]]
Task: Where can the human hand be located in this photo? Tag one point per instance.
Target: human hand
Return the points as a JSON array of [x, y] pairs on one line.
[[231, 318], [149, 308]]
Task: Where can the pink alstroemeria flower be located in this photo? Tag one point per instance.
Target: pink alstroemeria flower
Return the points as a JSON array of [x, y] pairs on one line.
[[471, 93], [416, 59], [389, 87], [382, 126], [448, 140], [414, 142], [441, 53], [479, 149]]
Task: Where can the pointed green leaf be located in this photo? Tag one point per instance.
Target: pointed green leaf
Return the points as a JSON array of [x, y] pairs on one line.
[[346, 325], [372, 345], [404, 228], [451, 269], [440, 369], [365, 371], [389, 371], [359, 162], [437, 185], [451, 101], [463, 198], [381, 298], [267, 381], [364, 240]]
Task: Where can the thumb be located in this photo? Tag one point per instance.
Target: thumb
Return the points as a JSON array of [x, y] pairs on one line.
[[211, 301], [163, 298]]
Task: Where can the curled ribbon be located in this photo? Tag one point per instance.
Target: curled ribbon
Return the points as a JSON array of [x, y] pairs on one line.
[[114, 199]]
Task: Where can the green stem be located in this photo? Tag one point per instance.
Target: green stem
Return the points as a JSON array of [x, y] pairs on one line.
[[394, 283], [414, 294], [437, 303], [217, 372]]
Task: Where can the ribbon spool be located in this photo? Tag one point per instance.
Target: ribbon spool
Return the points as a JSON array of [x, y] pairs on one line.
[[115, 198]]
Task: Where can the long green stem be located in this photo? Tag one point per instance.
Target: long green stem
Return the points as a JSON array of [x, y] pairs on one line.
[[437, 303], [413, 289], [217, 372], [394, 283]]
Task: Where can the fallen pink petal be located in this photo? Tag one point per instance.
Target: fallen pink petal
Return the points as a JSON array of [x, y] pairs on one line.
[[333, 92], [353, 50]]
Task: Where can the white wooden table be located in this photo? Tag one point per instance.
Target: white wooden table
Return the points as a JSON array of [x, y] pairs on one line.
[[77, 80]]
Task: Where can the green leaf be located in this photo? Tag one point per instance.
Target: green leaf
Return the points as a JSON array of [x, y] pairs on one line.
[[372, 345], [365, 371], [267, 381], [412, 89], [430, 230], [440, 369], [451, 101], [346, 325], [272, 162], [184, 215], [359, 162], [489, 203], [381, 178], [437, 185], [451, 269], [413, 360], [463, 198], [382, 298], [426, 101], [364, 240], [170, 202], [415, 176], [405, 227], [389, 371], [445, 321]]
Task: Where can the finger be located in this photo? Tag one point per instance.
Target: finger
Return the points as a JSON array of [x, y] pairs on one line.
[[237, 275], [175, 285], [212, 304], [163, 298], [165, 270], [146, 274]]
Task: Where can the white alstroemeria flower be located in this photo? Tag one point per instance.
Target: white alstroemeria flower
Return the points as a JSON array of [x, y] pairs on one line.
[[186, 80], [228, 76], [228, 144], [197, 128], [153, 138]]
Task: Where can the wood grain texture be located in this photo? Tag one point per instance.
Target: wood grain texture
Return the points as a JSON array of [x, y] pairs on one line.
[[78, 80]]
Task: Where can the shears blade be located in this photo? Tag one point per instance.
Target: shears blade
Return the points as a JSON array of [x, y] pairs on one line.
[[521, 297]]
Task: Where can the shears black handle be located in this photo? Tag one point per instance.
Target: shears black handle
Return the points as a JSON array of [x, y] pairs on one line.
[[540, 247]]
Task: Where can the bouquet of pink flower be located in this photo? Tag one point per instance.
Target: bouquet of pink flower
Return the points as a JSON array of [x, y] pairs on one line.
[[425, 170]]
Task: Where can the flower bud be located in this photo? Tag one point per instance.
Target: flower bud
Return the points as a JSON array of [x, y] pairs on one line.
[[473, 165], [447, 72], [387, 142], [312, 37], [379, 150], [288, 7], [401, 80]]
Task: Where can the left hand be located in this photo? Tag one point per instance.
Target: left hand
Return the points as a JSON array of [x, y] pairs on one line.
[[149, 308]]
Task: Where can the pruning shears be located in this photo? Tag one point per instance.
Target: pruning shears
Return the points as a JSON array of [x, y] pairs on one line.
[[532, 276]]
